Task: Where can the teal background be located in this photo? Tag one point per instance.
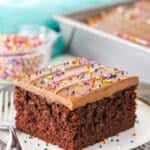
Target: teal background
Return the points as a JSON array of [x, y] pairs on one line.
[[18, 12]]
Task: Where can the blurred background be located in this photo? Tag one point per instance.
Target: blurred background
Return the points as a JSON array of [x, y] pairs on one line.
[[14, 13], [39, 14]]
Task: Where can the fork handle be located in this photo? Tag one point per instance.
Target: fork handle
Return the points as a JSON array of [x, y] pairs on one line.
[[13, 143]]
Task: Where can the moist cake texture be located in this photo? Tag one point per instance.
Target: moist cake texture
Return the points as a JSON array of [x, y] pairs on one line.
[[75, 104], [131, 22]]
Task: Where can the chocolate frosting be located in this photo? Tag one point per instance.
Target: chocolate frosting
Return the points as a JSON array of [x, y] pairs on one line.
[[77, 82]]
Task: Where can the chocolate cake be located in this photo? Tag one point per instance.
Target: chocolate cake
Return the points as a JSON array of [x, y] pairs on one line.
[[75, 104], [130, 22]]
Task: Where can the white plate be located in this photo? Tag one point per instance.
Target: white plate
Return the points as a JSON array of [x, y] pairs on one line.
[[131, 138]]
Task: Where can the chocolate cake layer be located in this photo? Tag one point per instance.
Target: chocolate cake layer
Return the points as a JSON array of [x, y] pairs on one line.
[[73, 130]]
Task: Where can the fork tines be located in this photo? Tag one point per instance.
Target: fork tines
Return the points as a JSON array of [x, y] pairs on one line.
[[6, 105]]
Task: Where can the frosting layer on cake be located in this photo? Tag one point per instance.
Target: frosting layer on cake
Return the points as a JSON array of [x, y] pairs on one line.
[[77, 82]]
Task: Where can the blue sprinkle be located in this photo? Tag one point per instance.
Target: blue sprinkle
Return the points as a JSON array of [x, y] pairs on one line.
[[131, 141], [92, 65], [109, 77], [100, 146]]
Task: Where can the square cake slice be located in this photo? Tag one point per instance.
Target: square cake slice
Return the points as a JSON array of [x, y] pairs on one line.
[[75, 104]]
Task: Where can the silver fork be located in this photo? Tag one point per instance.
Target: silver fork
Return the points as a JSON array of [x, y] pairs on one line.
[[7, 115]]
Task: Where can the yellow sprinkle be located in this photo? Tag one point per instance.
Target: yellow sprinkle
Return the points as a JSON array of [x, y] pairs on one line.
[[76, 89], [97, 78], [81, 84], [101, 79], [26, 76], [105, 68], [62, 81], [106, 81], [50, 77], [90, 70]]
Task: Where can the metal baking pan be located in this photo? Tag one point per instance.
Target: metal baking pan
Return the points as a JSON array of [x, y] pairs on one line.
[[85, 41]]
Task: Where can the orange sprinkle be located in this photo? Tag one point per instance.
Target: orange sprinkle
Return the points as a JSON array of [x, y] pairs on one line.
[[73, 62], [105, 141], [79, 61], [134, 134], [48, 88], [70, 78], [88, 66], [93, 82]]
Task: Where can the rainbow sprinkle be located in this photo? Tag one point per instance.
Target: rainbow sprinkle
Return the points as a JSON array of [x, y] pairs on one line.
[[16, 59], [92, 77]]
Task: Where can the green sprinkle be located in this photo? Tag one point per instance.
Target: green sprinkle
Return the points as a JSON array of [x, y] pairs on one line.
[[25, 141], [42, 81]]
